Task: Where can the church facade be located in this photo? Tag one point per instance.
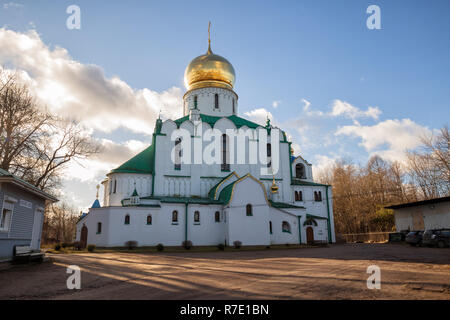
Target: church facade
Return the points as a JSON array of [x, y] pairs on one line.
[[169, 193]]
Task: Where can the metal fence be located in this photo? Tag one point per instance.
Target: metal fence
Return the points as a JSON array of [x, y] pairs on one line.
[[367, 237]]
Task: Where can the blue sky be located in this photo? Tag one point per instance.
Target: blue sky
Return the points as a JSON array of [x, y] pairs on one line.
[[296, 52]]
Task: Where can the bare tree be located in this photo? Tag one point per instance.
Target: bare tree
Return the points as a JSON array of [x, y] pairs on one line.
[[34, 144]]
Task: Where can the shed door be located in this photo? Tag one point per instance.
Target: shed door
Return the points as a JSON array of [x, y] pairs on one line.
[[37, 229], [309, 235]]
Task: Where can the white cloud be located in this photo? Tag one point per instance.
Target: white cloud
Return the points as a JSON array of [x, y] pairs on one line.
[[82, 92], [276, 103], [12, 5], [322, 164], [342, 108], [259, 116], [389, 139]]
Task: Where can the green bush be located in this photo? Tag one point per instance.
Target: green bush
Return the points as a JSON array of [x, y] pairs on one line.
[[187, 244], [91, 247], [57, 247], [221, 246], [131, 244], [237, 244], [64, 245], [160, 247]]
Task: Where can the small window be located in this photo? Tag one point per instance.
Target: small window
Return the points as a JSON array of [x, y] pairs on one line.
[[234, 109], [269, 155], [270, 227], [178, 153], [115, 186], [196, 216], [217, 216], [286, 227], [4, 220], [149, 219], [216, 101], [225, 166], [249, 210], [300, 171], [99, 227], [195, 102], [127, 219], [175, 216], [317, 196], [298, 196]]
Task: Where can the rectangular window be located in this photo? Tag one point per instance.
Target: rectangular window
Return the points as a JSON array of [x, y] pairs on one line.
[[5, 219]]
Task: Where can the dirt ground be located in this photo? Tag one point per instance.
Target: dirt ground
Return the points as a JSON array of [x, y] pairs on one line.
[[334, 272]]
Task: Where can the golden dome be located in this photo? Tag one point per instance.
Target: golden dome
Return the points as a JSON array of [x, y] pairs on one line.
[[209, 70]]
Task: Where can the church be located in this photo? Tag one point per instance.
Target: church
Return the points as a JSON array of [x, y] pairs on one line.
[[162, 196]]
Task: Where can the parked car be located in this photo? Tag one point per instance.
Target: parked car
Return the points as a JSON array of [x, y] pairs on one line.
[[436, 237], [403, 234], [414, 238]]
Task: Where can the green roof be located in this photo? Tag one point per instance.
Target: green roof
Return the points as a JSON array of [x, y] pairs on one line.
[[225, 194], [212, 192], [141, 163], [298, 182], [211, 120], [283, 205], [311, 216], [173, 199], [6, 174]]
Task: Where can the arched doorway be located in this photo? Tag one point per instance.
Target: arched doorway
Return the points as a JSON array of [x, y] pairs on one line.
[[309, 235], [83, 237]]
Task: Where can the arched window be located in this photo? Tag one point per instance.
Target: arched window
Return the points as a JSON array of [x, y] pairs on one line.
[[319, 196], [300, 171], [217, 216], [115, 186], [270, 227], [225, 163], [175, 216], [216, 101], [99, 227], [234, 108], [178, 154], [269, 155], [195, 102], [149, 219], [127, 219], [286, 227], [249, 210], [299, 196], [316, 196], [196, 216]]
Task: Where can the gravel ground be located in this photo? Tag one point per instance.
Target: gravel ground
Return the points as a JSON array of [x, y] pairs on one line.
[[334, 272]]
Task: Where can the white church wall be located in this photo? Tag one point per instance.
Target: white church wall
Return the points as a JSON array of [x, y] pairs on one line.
[[207, 231], [278, 236], [206, 101], [250, 230], [125, 183]]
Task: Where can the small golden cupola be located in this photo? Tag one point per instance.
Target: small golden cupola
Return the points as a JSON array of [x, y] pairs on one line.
[[209, 70]]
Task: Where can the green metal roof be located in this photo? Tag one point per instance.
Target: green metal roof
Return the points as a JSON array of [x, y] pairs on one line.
[[211, 120], [225, 194], [297, 182], [283, 205], [212, 192], [173, 199], [311, 216], [6, 174], [141, 163]]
